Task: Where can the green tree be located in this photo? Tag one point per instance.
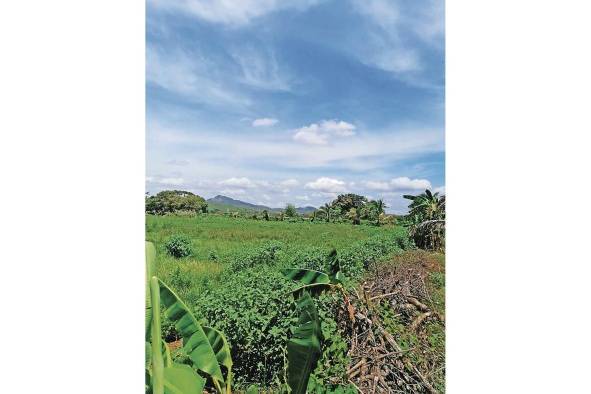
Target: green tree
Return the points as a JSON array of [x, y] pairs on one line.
[[290, 211], [426, 218], [347, 201], [376, 209], [266, 215], [170, 201], [326, 211], [353, 216]]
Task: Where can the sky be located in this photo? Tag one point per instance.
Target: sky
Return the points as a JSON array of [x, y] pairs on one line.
[[295, 101]]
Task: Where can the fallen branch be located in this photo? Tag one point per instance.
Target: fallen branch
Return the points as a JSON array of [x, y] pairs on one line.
[[417, 322]]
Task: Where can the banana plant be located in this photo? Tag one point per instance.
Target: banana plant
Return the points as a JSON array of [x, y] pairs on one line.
[[305, 347], [206, 347]]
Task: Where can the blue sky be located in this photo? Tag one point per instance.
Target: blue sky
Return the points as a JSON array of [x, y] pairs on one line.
[[277, 102]]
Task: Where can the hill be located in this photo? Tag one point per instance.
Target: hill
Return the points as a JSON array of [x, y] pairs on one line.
[[223, 202]]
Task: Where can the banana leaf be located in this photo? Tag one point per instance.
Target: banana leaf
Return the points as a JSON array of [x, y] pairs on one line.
[[182, 379], [220, 347], [313, 281], [150, 270], [305, 347], [156, 340], [195, 341]]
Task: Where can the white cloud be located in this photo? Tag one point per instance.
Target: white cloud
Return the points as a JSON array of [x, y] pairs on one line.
[[289, 183], [364, 152], [238, 182], [230, 12], [172, 181], [233, 192], [176, 162], [327, 185], [440, 190], [263, 122], [399, 184], [303, 198], [376, 185], [405, 183], [318, 134]]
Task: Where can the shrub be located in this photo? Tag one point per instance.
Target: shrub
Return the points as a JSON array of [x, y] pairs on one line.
[[178, 246], [255, 310], [265, 254]]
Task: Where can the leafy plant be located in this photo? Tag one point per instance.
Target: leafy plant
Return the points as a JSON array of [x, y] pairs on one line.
[[290, 211], [207, 349], [426, 220], [178, 246], [305, 346]]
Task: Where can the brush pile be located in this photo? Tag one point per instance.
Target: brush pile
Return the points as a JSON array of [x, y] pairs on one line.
[[383, 360]]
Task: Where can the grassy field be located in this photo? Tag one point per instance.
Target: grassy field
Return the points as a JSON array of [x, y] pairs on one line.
[[225, 237]]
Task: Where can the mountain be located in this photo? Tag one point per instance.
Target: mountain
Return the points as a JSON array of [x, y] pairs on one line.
[[222, 203]]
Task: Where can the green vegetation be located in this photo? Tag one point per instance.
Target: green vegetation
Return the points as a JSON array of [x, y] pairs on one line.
[[178, 246], [236, 281], [426, 220], [175, 201]]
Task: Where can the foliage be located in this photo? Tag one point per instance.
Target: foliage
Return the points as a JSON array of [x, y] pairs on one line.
[[305, 346], [171, 201], [347, 201], [178, 246], [263, 255], [253, 309], [426, 220], [165, 376], [244, 295], [290, 211]]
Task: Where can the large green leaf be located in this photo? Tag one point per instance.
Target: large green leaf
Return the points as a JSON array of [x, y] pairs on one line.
[[156, 340], [195, 342], [150, 269], [304, 348], [182, 379], [305, 276], [313, 281], [220, 347]]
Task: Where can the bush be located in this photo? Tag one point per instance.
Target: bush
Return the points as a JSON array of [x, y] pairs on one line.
[[266, 254], [178, 246], [255, 310]]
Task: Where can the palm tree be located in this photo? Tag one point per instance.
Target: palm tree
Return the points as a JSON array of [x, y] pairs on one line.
[[326, 208], [379, 207], [427, 206], [427, 219], [353, 215]]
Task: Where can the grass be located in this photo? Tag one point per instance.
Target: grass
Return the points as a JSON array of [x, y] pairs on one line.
[[226, 237]]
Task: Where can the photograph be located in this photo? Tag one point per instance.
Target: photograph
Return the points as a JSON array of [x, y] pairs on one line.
[[295, 196]]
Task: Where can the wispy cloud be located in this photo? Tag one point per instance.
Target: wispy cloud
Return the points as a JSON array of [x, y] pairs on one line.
[[233, 13], [393, 25], [263, 122], [189, 75], [260, 68]]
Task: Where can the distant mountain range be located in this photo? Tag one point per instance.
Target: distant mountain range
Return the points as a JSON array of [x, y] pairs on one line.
[[222, 203]]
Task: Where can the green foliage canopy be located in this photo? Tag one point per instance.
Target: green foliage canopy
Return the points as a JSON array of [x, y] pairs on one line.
[[171, 201]]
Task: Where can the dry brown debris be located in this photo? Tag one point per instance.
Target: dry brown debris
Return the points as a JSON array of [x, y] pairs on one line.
[[378, 363]]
